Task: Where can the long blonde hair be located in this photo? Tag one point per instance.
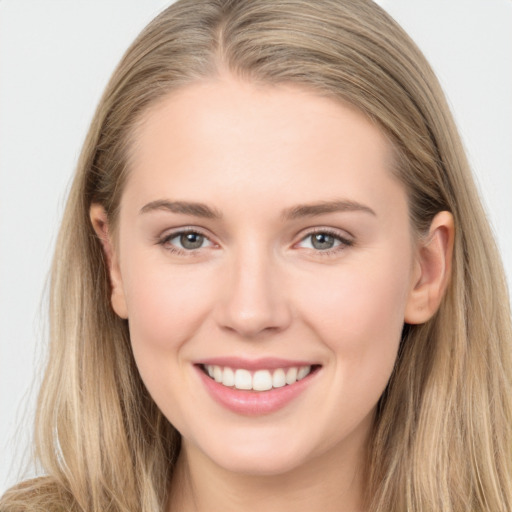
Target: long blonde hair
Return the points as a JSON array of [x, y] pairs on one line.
[[442, 438]]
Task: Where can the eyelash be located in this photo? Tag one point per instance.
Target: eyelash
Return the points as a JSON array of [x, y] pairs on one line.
[[165, 242], [343, 242]]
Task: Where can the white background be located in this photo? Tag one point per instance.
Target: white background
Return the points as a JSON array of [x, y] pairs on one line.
[[55, 58]]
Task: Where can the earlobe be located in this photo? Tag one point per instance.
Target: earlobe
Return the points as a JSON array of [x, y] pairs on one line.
[[100, 224], [433, 270]]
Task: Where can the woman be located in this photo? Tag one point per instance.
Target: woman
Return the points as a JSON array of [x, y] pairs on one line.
[[274, 287]]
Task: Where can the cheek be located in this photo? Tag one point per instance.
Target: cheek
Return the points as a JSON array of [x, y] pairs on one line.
[[359, 315], [165, 308], [358, 300], [164, 304]]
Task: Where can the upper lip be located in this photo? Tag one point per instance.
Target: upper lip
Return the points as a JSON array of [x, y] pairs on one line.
[[263, 363]]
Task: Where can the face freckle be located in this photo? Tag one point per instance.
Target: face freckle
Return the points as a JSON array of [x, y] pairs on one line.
[[219, 267]]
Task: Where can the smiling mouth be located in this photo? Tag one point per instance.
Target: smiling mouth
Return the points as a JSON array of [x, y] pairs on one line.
[[260, 380]]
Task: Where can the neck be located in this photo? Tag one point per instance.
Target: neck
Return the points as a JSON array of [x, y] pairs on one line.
[[333, 481]]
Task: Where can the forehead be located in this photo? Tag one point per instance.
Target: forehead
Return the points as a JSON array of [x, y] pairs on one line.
[[214, 138]]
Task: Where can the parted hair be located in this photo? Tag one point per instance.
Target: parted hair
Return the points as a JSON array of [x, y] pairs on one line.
[[442, 437]]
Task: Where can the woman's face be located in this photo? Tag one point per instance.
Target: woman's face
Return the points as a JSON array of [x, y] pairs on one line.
[[263, 239]]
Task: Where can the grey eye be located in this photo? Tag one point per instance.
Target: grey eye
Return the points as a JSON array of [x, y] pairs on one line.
[[322, 241], [191, 240], [186, 242], [325, 241]]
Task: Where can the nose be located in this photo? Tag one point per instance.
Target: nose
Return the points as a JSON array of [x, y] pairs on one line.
[[254, 297]]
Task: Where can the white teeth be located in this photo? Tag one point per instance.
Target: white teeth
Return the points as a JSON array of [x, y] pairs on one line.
[[243, 379], [217, 373], [228, 377], [279, 378], [260, 380], [303, 372], [291, 375]]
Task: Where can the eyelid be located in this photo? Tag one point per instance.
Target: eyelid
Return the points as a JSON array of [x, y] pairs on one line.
[[341, 234], [345, 240], [164, 239]]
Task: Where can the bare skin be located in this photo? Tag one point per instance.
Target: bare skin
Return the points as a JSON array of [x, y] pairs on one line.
[[202, 487], [265, 222]]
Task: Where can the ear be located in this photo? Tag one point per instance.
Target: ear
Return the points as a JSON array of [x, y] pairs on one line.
[[433, 270], [99, 221]]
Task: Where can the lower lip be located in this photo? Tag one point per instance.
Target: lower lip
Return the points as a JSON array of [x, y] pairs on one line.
[[254, 403]]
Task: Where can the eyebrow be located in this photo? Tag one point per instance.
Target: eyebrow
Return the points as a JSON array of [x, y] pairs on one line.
[[184, 207], [323, 207], [295, 212]]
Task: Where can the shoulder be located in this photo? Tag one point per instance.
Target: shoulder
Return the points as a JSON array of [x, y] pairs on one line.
[[42, 494]]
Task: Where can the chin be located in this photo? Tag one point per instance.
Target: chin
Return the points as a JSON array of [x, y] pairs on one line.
[[261, 466], [263, 458]]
